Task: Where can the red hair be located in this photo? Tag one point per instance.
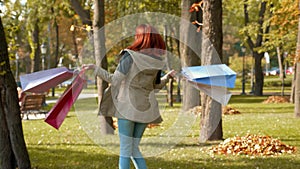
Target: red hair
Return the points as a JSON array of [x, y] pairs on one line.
[[148, 41]]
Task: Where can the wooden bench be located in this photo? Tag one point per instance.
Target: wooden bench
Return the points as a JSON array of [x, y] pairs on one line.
[[32, 104]]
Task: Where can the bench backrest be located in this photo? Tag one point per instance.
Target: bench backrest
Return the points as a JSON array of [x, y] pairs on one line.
[[32, 102]]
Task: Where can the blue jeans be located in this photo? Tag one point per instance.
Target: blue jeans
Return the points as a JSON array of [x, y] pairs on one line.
[[130, 134]]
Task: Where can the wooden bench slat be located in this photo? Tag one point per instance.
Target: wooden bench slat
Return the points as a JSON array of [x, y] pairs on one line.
[[32, 103]]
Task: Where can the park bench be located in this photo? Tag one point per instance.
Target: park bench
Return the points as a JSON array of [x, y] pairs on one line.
[[32, 104]]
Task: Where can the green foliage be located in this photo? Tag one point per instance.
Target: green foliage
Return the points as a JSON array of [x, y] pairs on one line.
[[128, 7], [233, 26], [282, 16], [118, 9], [236, 63], [283, 33], [20, 17], [13, 25]]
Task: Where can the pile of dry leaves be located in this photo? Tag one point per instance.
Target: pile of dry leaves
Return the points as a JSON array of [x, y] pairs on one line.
[[252, 145], [229, 111], [195, 110], [277, 99]]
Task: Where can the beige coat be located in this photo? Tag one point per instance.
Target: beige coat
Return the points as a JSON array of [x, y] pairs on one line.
[[132, 96]]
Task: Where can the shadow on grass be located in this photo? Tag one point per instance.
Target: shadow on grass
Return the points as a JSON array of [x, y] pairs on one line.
[[238, 99], [225, 162], [54, 158]]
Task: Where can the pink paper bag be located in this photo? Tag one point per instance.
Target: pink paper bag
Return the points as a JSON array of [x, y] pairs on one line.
[[42, 81], [58, 113]]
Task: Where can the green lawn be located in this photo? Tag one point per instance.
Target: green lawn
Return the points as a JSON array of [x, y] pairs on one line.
[[73, 146]]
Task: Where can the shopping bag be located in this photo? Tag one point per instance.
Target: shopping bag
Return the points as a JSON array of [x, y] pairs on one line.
[[219, 94], [214, 75], [59, 111], [42, 81], [213, 80]]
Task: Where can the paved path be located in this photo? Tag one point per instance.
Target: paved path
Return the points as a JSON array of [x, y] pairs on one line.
[[85, 95], [81, 96]]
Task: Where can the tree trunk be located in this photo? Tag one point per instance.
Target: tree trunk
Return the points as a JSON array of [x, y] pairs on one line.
[[295, 87], [100, 52], [56, 27], [178, 96], [188, 36], [28, 62], [76, 53], [211, 116], [259, 76], [99, 46], [281, 74], [297, 91], [83, 14], [292, 97], [169, 67], [211, 119], [49, 46], [37, 59], [12, 144]]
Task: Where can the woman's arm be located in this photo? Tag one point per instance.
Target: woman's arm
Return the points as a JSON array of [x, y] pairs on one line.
[[165, 79], [120, 73], [103, 74]]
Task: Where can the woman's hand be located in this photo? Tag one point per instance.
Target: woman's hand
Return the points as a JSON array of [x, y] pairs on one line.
[[171, 74], [88, 66]]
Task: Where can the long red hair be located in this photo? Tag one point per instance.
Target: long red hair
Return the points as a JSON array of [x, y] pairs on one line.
[[148, 41]]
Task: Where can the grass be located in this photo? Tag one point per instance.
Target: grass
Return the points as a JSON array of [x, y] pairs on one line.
[[73, 147]]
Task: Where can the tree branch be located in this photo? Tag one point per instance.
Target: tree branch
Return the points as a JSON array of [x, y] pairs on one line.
[[84, 14], [260, 23], [249, 41]]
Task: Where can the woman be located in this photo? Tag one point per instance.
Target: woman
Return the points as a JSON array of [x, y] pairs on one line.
[[131, 96]]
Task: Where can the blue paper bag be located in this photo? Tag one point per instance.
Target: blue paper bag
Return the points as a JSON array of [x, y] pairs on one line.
[[215, 75]]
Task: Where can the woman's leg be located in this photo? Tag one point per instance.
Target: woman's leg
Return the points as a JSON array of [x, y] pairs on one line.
[[137, 157], [126, 129], [130, 134]]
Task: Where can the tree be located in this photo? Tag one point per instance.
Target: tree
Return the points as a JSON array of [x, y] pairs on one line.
[[231, 37], [14, 30], [20, 18], [168, 65], [254, 39], [98, 42], [287, 32], [189, 57], [101, 60], [83, 13], [282, 36], [36, 44], [297, 90], [12, 144], [297, 74], [211, 116], [34, 16]]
